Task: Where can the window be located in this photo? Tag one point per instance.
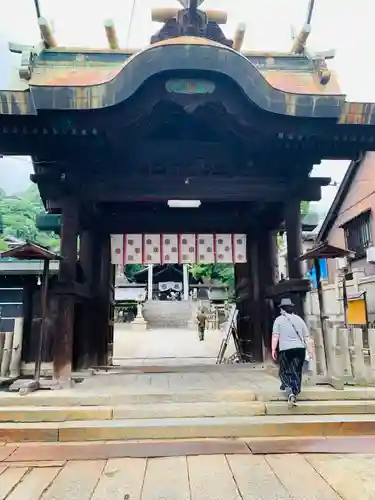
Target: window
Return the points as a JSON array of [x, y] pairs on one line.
[[358, 234]]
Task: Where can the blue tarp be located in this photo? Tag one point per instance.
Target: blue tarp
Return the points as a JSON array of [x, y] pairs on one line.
[[323, 272]]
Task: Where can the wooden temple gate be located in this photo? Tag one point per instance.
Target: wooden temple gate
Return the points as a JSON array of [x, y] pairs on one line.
[[115, 134]]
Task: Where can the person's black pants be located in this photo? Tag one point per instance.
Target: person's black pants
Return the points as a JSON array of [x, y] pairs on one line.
[[290, 370]]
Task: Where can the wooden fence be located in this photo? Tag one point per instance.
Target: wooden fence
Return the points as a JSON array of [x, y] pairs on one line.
[[11, 351]]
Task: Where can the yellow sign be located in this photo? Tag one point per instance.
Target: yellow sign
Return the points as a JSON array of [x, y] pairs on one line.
[[357, 311]]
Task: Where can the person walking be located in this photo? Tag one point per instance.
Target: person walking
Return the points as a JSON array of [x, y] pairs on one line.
[[291, 337], [201, 322]]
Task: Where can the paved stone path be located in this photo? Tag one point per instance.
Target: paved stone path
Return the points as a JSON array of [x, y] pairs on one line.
[[212, 477], [165, 346], [226, 377]]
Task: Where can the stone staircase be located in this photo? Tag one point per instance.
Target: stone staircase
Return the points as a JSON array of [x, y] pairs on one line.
[[167, 314], [88, 416]]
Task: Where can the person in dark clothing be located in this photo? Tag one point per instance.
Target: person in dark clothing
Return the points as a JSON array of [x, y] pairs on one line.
[[201, 322]]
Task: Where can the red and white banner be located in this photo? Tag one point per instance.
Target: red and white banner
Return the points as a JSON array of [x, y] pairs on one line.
[[239, 248], [117, 249], [205, 250], [169, 248], [178, 248], [133, 252], [151, 249], [187, 249], [224, 250]]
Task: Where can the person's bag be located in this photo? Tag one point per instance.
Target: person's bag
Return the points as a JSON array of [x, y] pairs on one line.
[[307, 355]]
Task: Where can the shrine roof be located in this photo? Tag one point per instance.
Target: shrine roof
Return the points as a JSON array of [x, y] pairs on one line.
[[77, 79], [83, 67], [161, 273], [30, 251], [325, 251]]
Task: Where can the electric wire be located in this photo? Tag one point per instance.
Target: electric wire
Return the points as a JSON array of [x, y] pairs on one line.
[[30, 162]]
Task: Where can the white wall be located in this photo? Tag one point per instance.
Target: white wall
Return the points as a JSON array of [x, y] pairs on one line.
[[333, 298]]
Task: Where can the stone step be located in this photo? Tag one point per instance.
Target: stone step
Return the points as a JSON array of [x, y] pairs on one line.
[[190, 428], [176, 410], [112, 398], [321, 408], [135, 411], [321, 393]]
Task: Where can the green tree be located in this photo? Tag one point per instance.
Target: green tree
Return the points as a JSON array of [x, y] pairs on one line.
[[131, 269], [18, 214], [305, 208], [221, 272]]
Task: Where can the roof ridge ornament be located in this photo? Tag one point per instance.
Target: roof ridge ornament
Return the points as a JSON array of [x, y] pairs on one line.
[[299, 47], [300, 39], [187, 3], [30, 52], [190, 21]]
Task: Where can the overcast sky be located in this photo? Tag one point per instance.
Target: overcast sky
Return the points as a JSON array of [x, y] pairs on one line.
[[346, 25]]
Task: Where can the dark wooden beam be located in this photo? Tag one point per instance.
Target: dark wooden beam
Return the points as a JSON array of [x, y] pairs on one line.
[[208, 218], [213, 188], [179, 151]]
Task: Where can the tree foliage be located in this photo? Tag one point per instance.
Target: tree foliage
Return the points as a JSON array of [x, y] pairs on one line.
[[305, 208], [18, 214], [221, 272], [131, 269]]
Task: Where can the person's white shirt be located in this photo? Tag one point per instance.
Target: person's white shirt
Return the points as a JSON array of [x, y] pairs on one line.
[[291, 330]]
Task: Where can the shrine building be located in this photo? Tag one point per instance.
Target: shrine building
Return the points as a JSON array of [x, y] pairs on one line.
[[189, 150]]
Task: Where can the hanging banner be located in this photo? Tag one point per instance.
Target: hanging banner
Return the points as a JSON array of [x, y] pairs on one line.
[[239, 248], [133, 249], [169, 252], [151, 249], [224, 252], [205, 250], [117, 249], [187, 249], [178, 248]]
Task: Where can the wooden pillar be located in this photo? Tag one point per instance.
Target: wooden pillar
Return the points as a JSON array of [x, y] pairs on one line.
[[64, 333], [294, 238], [83, 339], [293, 228], [150, 282], [29, 286], [104, 305], [92, 315], [185, 270], [255, 322], [241, 274], [267, 262]]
